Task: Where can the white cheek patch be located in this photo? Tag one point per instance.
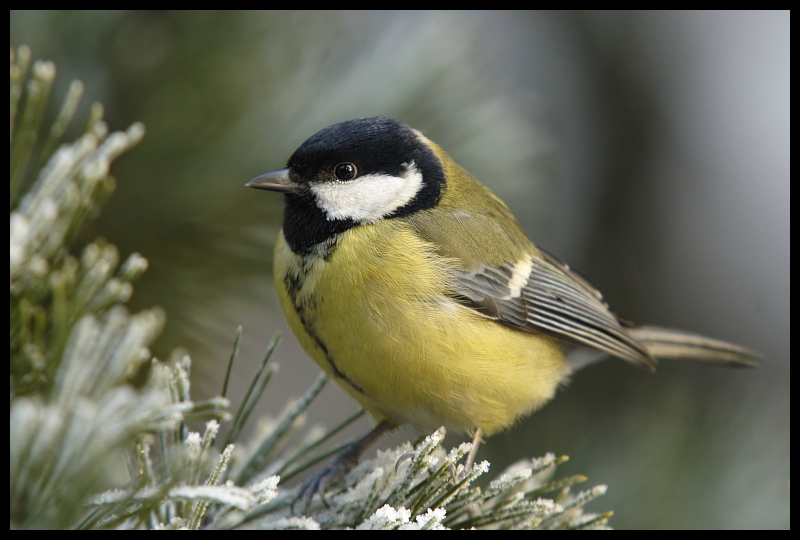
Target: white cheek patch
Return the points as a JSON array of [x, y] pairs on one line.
[[367, 198]]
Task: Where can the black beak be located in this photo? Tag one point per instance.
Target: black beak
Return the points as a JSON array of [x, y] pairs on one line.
[[274, 181]]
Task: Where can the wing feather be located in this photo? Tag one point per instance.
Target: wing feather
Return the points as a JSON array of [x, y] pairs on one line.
[[501, 275], [549, 302]]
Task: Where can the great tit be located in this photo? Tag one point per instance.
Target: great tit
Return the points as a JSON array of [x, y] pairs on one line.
[[414, 288]]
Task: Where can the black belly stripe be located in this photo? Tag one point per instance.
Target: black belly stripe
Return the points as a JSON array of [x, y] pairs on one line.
[[292, 287]]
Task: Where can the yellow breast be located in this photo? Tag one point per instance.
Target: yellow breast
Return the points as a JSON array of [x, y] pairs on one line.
[[373, 314]]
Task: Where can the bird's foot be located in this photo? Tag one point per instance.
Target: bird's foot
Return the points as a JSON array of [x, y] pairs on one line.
[[321, 481], [348, 458]]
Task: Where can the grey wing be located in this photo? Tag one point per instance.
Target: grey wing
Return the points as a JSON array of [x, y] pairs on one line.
[[551, 300]]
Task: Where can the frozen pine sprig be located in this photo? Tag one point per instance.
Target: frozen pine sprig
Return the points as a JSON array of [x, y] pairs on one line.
[[225, 495], [87, 397], [428, 488], [288, 523], [181, 484], [430, 520], [36, 95], [134, 267], [61, 449], [151, 500], [386, 518], [193, 442], [54, 189]]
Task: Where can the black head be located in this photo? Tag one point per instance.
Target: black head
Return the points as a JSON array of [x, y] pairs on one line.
[[354, 173], [374, 145]]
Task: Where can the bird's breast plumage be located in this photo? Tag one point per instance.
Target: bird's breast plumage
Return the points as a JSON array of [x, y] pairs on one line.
[[374, 309]]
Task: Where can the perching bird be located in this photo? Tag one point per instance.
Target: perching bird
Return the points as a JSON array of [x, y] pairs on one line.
[[414, 288]]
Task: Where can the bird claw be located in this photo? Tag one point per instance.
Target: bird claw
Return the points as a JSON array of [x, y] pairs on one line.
[[322, 480], [401, 459], [341, 464]]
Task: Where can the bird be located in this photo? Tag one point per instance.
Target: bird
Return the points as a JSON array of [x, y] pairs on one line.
[[415, 289]]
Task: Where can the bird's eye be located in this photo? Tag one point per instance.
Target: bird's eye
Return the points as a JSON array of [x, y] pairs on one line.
[[345, 171]]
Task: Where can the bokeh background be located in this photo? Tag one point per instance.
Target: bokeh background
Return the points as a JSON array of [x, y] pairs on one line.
[[650, 150]]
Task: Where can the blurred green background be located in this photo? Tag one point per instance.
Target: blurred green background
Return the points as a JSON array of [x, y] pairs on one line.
[[649, 150]]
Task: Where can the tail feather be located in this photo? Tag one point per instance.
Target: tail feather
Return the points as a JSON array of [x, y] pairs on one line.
[[666, 343], [670, 344]]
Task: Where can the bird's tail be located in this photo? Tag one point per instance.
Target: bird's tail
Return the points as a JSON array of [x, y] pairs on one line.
[[670, 344]]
